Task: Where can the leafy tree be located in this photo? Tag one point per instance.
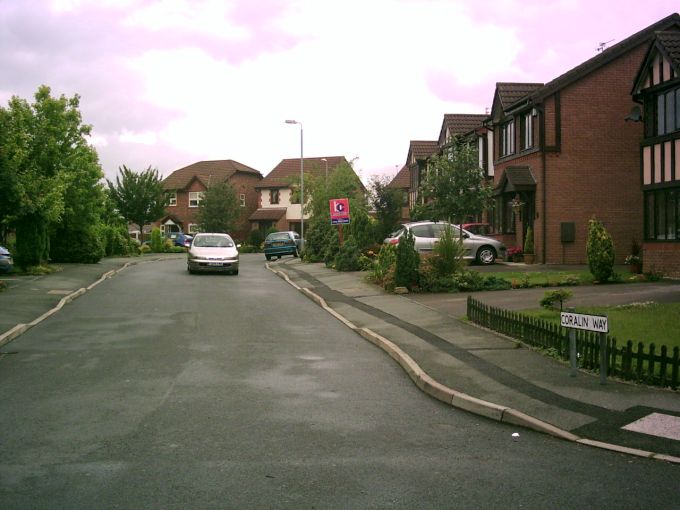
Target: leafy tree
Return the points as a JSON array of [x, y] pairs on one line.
[[600, 251], [321, 241], [44, 155], [454, 186], [138, 197], [219, 209], [387, 202]]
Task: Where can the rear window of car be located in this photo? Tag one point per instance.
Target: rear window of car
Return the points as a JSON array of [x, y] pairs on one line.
[[279, 236], [422, 231]]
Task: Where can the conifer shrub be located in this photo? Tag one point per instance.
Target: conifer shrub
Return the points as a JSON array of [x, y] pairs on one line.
[[156, 240], [600, 251], [347, 257], [407, 262]]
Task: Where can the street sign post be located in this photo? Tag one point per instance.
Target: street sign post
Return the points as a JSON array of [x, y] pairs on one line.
[[596, 323]]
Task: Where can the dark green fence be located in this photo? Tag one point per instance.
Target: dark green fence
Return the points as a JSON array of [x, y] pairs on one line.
[[629, 361]]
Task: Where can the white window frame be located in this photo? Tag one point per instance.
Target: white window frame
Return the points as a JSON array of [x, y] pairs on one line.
[[195, 198], [242, 199], [528, 141], [507, 140], [193, 228], [172, 199]]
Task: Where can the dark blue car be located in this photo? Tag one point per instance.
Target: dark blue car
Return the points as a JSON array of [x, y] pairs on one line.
[[282, 243]]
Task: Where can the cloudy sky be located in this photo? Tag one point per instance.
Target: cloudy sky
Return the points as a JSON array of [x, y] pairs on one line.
[[166, 83]]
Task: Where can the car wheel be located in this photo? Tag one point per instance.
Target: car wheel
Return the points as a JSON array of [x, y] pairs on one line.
[[235, 272], [190, 270], [486, 255], [295, 253]]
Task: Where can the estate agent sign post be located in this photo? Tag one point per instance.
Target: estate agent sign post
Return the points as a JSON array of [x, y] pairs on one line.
[[339, 213], [596, 323]]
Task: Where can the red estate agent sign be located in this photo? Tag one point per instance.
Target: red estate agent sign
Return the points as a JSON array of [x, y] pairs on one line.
[[339, 211]]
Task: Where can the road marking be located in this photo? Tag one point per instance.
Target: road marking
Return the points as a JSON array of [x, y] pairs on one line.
[[657, 424]]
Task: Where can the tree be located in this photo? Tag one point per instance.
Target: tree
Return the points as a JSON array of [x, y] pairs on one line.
[[139, 197], [454, 186], [43, 149], [387, 203], [219, 209]]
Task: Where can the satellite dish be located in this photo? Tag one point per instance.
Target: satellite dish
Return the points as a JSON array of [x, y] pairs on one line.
[[635, 114]]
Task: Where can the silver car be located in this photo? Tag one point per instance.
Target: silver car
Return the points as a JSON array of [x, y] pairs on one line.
[[483, 250], [212, 252]]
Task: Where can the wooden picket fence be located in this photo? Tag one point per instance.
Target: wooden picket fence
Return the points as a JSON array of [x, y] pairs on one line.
[[630, 362]]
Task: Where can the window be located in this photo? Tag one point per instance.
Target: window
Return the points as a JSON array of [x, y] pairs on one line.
[[527, 134], [273, 196], [507, 139], [668, 112], [662, 215], [242, 199], [172, 198], [193, 228], [195, 198]]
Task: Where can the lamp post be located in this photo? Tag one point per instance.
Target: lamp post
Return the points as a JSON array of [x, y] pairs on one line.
[[325, 161], [302, 186]]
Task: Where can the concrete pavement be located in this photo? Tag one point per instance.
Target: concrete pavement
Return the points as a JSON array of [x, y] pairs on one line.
[[494, 376], [451, 360]]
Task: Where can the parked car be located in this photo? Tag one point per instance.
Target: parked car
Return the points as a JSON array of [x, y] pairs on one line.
[[478, 229], [180, 239], [282, 243], [483, 250], [212, 252], [6, 262]]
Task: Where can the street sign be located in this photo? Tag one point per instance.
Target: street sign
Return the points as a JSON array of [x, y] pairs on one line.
[[339, 211], [597, 323]]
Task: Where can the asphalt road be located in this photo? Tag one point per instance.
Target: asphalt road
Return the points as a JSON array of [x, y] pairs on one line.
[[159, 389]]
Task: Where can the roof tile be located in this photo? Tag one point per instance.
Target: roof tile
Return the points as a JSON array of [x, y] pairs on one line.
[[206, 171]]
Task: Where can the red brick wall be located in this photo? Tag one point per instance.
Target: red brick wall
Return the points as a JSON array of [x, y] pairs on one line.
[[661, 257], [596, 171], [241, 182]]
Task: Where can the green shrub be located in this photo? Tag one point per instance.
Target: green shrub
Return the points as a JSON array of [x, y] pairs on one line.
[[145, 248], [156, 240], [552, 297], [247, 248], [492, 282], [407, 262], [384, 262], [317, 238], [361, 229], [468, 281], [256, 238], [600, 251], [331, 248], [347, 257], [76, 245], [448, 254]]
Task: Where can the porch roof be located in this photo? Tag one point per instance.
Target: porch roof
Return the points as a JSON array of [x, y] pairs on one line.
[[516, 178], [267, 214]]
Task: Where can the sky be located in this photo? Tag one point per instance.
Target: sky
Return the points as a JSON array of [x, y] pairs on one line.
[[167, 83]]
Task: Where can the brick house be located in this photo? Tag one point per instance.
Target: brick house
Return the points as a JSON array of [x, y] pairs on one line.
[[277, 203], [657, 88], [402, 181], [185, 188], [564, 152], [419, 152]]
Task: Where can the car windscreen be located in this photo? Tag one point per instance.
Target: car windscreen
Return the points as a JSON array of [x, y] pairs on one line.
[[282, 236], [213, 242]]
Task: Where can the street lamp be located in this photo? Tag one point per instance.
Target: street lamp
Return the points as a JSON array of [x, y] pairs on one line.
[[325, 161], [302, 186]]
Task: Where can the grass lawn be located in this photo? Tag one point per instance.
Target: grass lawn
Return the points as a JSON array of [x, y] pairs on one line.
[[640, 322]]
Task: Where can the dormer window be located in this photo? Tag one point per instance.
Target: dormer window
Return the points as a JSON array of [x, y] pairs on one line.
[[507, 138]]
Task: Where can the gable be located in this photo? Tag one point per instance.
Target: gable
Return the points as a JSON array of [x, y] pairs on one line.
[[661, 64]]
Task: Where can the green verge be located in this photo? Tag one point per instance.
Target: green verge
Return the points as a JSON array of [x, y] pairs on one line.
[[640, 322]]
